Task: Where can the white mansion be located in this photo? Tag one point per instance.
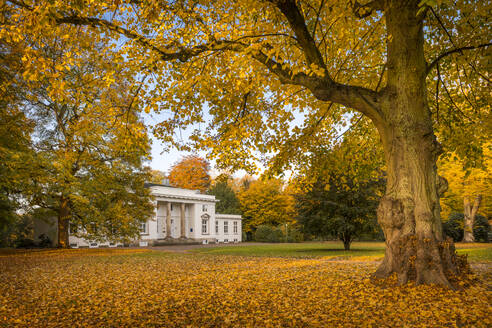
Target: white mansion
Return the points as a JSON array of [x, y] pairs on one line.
[[181, 216]]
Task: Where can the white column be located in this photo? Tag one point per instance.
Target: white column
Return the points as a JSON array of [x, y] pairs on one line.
[[168, 220], [183, 222]]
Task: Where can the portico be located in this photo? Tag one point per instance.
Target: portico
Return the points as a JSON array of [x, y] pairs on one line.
[[173, 219]]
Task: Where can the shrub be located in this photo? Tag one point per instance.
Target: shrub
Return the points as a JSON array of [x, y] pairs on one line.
[[268, 234], [481, 229], [294, 235], [45, 241], [453, 227], [25, 243]]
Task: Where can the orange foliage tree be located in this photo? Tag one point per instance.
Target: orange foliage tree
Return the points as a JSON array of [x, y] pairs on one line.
[[191, 172]]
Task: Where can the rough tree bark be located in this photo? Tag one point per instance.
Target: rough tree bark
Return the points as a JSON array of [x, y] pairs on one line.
[[409, 212], [469, 218], [63, 223]]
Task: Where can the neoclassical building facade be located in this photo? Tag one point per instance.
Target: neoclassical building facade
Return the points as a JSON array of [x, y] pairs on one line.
[[181, 216]]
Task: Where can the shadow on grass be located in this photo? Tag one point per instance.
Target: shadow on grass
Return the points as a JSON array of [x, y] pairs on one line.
[[340, 250]]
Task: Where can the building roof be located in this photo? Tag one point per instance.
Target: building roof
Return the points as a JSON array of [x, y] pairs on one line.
[[228, 216], [151, 184], [165, 191]]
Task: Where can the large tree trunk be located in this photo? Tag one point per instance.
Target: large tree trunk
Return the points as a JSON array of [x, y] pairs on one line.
[[63, 223], [409, 211], [469, 218]]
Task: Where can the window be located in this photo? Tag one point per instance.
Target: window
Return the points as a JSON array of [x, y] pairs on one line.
[[204, 208], [204, 226], [171, 207], [143, 228], [216, 226], [235, 227], [226, 227]]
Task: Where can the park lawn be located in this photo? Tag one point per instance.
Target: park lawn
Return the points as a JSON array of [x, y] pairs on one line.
[[143, 288], [333, 249]]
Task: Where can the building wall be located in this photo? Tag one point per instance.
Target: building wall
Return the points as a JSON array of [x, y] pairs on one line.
[[231, 235]]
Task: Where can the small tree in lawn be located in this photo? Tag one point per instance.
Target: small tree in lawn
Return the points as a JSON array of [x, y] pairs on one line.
[[348, 183], [339, 208]]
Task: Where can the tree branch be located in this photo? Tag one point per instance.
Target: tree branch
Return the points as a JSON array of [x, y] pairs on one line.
[[430, 67], [296, 21], [323, 88], [366, 10]]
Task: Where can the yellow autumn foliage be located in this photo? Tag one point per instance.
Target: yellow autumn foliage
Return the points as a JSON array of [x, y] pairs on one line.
[[137, 288], [467, 183]]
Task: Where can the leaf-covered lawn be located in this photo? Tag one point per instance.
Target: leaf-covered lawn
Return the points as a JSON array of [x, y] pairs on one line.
[[475, 251], [128, 288]]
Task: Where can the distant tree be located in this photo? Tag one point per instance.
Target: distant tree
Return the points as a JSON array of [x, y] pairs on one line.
[[469, 188], [191, 172], [466, 183], [244, 182], [228, 202], [266, 203], [157, 176]]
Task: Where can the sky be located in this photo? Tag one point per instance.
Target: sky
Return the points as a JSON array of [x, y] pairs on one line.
[[163, 159]]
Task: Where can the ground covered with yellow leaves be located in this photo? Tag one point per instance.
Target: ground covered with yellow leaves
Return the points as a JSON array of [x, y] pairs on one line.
[[129, 288]]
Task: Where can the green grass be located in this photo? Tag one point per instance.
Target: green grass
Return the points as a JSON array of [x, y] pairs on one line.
[[299, 250], [476, 252]]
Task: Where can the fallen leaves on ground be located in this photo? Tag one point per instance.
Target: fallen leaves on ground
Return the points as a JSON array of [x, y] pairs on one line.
[[122, 289]]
